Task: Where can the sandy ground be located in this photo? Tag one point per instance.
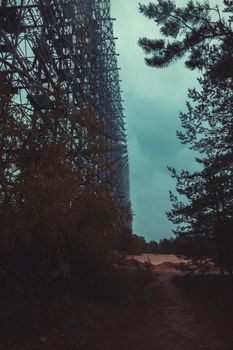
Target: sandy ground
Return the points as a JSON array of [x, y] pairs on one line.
[[157, 259], [166, 263], [175, 328]]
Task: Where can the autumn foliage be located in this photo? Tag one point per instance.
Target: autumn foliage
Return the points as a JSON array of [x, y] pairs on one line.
[[56, 207]]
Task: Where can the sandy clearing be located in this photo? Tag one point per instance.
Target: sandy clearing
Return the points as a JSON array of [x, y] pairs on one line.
[[157, 259], [177, 328]]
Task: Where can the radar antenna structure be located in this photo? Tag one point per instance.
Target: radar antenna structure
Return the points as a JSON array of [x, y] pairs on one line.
[[46, 44]]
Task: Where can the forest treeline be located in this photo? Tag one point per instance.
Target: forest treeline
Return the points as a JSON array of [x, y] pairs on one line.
[[138, 245], [202, 207], [176, 245], [58, 218]]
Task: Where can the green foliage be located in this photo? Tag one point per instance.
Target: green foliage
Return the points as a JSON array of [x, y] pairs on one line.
[[137, 245], [198, 31], [203, 209], [204, 219]]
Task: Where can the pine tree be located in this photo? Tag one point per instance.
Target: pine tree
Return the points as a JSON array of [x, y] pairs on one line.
[[203, 211], [198, 31], [205, 218]]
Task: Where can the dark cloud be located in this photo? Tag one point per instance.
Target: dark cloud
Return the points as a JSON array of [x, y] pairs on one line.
[[154, 126], [153, 100]]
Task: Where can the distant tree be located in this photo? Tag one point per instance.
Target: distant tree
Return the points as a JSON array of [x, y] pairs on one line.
[[152, 247], [198, 30], [166, 246], [204, 218], [137, 245]]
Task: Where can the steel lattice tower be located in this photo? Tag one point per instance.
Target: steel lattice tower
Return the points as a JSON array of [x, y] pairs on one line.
[[44, 43]]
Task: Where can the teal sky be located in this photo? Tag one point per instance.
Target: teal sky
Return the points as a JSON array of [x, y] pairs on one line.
[[153, 99]]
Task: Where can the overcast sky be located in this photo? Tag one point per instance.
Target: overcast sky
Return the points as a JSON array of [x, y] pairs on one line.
[[153, 99]]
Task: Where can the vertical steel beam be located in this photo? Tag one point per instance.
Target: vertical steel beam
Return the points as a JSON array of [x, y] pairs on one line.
[[70, 43]]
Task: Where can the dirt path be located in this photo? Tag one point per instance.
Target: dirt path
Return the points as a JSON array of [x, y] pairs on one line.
[[160, 318], [185, 333], [172, 327]]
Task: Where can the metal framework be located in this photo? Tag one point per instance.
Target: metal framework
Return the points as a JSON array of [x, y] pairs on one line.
[[67, 43]]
